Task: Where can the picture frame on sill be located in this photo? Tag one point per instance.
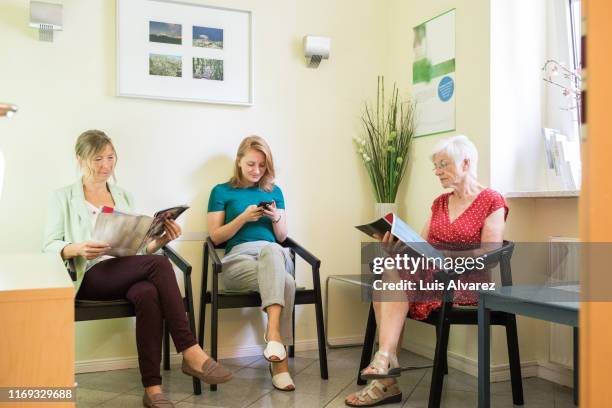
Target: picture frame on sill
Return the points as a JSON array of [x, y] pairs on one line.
[[185, 52]]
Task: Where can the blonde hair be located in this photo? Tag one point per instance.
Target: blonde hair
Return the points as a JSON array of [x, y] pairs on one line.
[[88, 145], [460, 148], [256, 143]]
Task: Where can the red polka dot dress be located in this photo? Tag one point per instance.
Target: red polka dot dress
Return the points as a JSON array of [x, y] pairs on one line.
[[462, 233]]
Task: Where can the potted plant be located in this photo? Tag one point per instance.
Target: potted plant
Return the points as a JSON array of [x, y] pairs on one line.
[[384, 146]]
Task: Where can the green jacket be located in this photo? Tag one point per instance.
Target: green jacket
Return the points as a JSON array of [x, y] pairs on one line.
[[68, 220]]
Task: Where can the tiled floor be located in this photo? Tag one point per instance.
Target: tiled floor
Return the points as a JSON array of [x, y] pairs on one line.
[[251, 386]]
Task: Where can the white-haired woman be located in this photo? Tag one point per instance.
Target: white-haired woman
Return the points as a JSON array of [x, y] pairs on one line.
[[467, 216]]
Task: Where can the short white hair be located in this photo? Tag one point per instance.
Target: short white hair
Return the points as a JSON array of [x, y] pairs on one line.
[[460, 148]]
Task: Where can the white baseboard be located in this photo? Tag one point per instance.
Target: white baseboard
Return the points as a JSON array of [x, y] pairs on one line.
[[344, 341], [108, 364], [499, 372], [120, 363], [556, 373]]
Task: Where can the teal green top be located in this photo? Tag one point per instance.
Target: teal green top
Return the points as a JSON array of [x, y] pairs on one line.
[[234, 201], [69, 221]]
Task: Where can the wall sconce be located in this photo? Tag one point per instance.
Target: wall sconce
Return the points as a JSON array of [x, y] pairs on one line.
[[47, 17], [316, 49], [8, 110]]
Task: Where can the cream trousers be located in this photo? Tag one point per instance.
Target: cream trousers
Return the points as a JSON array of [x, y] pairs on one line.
[[267, 268]]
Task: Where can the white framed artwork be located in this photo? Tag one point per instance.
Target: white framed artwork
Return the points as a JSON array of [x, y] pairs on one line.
[[184, 51]]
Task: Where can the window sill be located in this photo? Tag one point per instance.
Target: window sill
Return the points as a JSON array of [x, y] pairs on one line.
[[543, 194]]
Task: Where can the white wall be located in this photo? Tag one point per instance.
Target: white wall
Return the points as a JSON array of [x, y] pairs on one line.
[[174, 152]]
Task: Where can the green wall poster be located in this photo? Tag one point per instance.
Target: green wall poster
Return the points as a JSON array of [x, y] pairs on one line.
[[433, 75]]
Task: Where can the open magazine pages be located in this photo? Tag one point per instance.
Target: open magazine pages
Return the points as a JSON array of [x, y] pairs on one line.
[[127, 234], [400, 229]]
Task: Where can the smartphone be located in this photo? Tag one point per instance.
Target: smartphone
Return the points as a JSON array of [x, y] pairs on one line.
[[265, 204]]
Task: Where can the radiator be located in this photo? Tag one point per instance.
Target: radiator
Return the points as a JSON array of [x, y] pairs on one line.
[[563, 266]]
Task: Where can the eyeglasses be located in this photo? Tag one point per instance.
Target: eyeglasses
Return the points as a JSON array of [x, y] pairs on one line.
[[441, 165]]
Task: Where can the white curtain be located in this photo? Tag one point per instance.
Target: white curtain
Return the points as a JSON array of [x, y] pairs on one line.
[[559, 48]]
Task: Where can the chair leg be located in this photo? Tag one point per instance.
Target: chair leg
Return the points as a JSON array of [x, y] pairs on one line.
[[316, 283], [202, 324], [437, 376], [445, 362], [368, 344], [197, 385], [166, 347], [202, 321], [292, 346], [515, 360], [204, 289], [213, 333]]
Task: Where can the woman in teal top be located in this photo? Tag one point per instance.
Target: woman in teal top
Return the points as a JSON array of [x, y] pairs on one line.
[[248, 215], [146, 280], [234, 201]]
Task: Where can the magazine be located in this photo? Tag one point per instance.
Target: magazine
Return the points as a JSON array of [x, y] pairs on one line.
[[402, 231], [127, 234]]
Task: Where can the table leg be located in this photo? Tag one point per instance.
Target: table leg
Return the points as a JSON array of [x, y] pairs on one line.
[[326, 318], [326, 310], [576, 366], [484, 351]]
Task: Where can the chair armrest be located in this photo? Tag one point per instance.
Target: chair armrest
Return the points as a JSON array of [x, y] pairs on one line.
[[212, 251], [178, 260], [303, 253], [495, 256], [491, 259]]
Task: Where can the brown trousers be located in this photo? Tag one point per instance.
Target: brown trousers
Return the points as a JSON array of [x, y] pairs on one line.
[[148, 281]]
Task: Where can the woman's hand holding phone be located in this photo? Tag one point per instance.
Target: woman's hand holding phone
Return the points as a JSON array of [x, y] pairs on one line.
[[270, 210], [252, 213]]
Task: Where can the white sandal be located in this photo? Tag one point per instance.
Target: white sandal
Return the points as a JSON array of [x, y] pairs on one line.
[[281, 381], [274, 349], [385, 365]]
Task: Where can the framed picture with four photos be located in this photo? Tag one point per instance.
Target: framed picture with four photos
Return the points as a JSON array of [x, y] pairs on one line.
[[184, 51]]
